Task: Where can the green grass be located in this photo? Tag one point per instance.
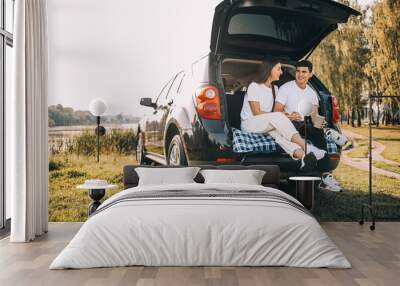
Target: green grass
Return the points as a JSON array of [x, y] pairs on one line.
[[387, 167], [392, 151], [387, 135], [346, 206], [381, 133], [361, 149], [330, 206], [66, 203]]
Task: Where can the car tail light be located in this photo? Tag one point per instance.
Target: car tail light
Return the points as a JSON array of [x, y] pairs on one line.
[[208, 103], [335, 110], [225, 160]]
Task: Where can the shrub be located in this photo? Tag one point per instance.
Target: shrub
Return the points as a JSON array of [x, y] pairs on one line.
[[114, 141], [56, 174], [75, 174], [55, 165], [84, 144]]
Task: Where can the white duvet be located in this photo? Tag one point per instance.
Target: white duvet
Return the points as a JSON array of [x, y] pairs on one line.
[[200, 231]]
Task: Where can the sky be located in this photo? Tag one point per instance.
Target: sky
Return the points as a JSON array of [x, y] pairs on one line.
[[123, 50], [366, 2]]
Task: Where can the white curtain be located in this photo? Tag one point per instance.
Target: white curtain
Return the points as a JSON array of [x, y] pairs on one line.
[[28, 121]]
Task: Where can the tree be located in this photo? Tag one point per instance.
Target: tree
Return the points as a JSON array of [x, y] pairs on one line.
[[340, 62], [383, 68], [65, 116]]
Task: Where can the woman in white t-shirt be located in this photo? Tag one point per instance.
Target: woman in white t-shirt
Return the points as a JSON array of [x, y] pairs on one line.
[[257, 115]]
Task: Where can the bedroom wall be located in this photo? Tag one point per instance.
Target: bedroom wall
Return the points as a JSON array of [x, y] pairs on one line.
[[122, 50]]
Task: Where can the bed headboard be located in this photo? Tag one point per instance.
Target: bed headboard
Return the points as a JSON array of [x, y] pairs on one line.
[[270, 179]]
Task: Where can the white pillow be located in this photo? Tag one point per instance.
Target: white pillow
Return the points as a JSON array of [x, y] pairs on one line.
[[248, 177], [166, 176]]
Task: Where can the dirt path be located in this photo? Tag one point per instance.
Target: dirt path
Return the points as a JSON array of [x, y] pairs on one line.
[[363, 163]]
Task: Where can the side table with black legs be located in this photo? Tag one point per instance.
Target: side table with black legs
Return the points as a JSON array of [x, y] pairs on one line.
[[96, 191], [305, 190]]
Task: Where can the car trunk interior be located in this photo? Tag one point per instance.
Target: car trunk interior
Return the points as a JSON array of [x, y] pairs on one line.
[[236, 76]]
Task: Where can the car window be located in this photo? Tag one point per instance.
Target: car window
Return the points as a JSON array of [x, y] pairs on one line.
[[161, 96], [290, 29], [180, 84], [175, 86]]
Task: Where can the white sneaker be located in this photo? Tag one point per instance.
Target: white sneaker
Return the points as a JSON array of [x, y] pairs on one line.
[[329, 183], [331, 179], [319, 153], [336, 137]]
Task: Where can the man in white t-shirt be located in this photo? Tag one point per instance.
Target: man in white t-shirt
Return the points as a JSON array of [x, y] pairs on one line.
[[287, 100], [293, 92]]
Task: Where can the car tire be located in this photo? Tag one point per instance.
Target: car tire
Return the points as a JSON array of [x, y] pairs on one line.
[[140, 156], [176, 154]]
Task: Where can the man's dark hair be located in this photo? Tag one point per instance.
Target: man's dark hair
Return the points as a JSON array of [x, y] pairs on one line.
[[305, 64]]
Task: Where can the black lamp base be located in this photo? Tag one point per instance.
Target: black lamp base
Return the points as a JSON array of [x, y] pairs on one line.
[[96, 195], [100, 130]]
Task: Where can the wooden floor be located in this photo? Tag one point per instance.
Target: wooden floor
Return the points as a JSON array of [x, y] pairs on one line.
[[375, 257]]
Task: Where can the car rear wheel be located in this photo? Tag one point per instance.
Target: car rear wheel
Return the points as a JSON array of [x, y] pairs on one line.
[[176, 154], [140, 157]]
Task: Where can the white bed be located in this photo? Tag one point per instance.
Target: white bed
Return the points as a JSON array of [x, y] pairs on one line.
[[184, 230]]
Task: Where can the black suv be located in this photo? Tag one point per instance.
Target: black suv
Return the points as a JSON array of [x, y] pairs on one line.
[[192, 117]]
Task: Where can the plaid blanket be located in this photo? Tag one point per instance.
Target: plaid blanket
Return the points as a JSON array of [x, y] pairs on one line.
[[245, 142]]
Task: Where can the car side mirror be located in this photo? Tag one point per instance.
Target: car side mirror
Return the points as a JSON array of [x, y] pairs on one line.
[[147, 101]]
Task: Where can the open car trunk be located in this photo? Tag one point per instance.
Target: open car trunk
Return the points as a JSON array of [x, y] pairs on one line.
[[289, 28], [244, 30]]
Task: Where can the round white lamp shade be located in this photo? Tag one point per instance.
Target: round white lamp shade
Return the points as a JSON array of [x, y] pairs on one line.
[[97, 107], [305, 107]]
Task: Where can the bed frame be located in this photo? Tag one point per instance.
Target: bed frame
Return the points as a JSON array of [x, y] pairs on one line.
[[270, 179]]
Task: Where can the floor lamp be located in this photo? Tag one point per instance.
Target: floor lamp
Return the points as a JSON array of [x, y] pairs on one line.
[[370, 206], [98, 107]]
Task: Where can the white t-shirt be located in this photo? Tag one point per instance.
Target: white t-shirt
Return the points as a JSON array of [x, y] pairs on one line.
[[262, 94], [290, 94]]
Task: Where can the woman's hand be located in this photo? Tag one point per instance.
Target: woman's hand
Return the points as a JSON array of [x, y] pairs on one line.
[[294, 116]]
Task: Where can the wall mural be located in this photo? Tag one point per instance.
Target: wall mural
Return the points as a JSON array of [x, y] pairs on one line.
[[194, 114]]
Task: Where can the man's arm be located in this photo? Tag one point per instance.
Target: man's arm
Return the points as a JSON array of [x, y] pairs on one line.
[[315, 102], [280, 103], [314, 114]]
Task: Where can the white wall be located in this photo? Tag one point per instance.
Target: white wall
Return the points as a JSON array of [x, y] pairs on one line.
[[122, 50]]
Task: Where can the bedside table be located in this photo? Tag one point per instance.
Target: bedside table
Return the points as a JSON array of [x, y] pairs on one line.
[[305, 190], [96, 191]]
